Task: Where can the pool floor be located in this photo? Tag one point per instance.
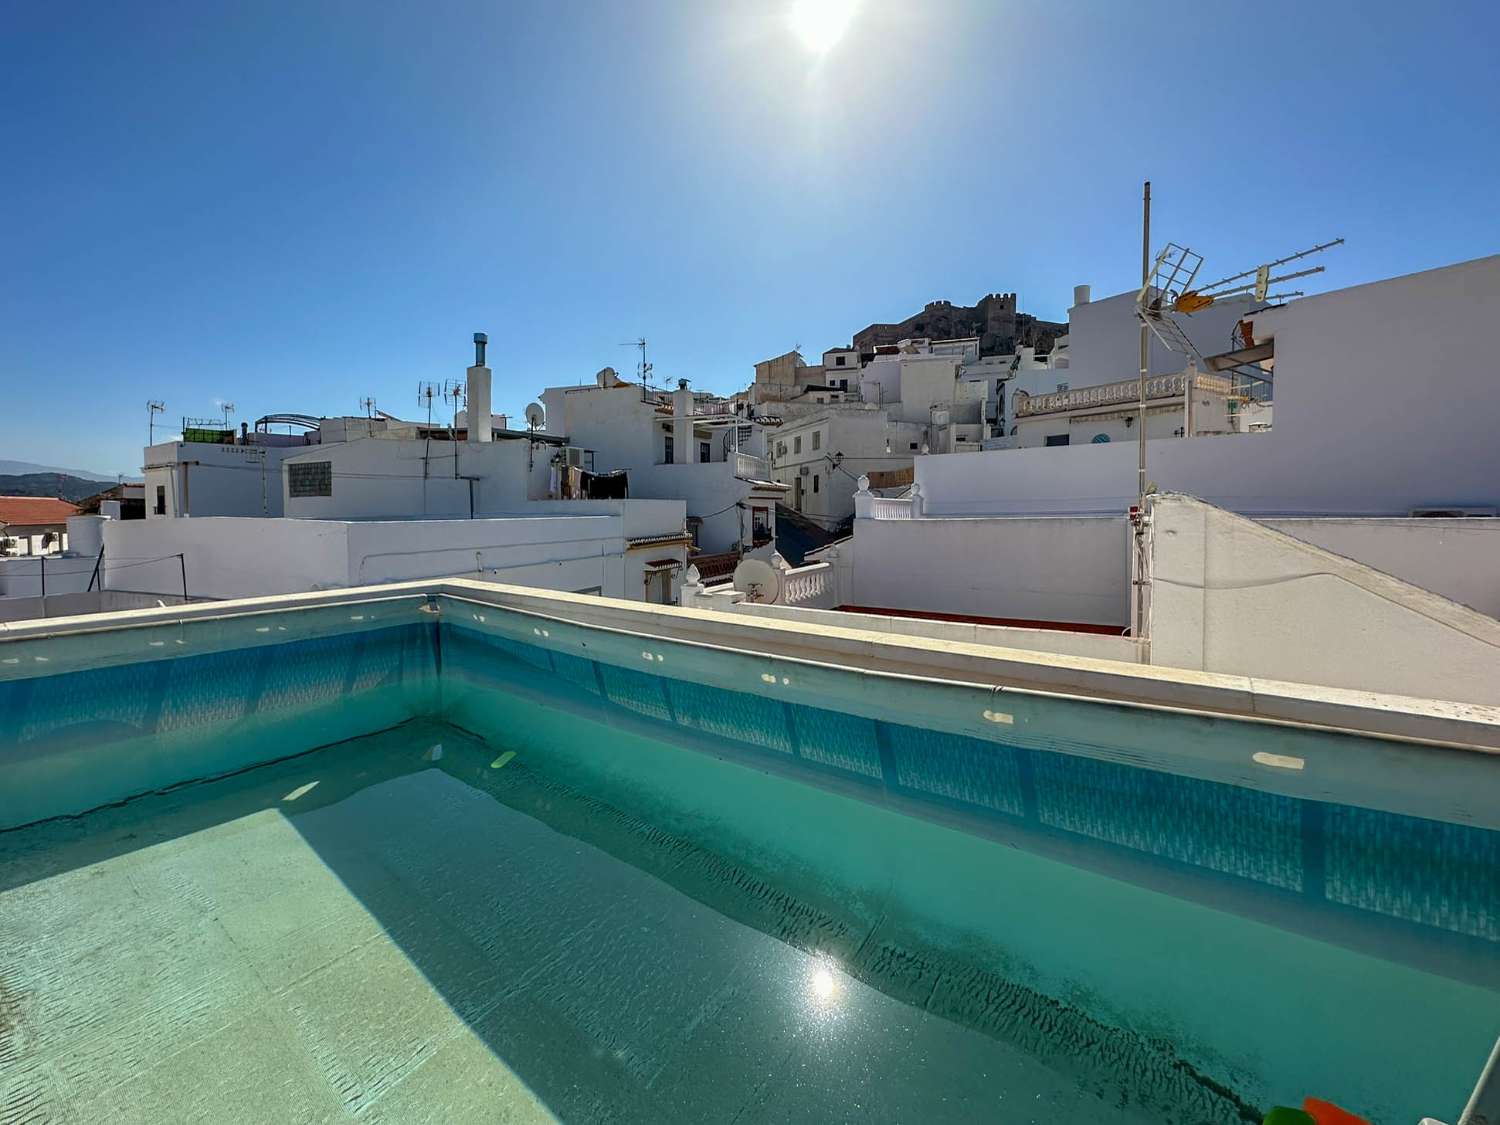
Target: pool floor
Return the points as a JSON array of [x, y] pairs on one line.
[[361, 934]]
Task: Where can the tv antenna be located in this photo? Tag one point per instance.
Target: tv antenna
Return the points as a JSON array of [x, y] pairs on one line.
[[426, 393], [1171, 290], [367, 404], [228, 409], [454, 389], [154, 407], [642, 369]]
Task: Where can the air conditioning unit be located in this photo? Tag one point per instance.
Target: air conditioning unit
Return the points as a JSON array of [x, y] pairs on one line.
[[1452, 513], [573, 456]]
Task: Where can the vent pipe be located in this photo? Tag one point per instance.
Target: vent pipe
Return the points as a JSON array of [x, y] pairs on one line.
[[479, 393]]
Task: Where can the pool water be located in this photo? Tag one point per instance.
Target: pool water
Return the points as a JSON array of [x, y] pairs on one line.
[[367, 933], [582, 874]]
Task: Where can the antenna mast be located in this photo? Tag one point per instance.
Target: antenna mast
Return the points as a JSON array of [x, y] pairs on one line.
[[642, 369], [153, 407], [367, 404], [426, 392]]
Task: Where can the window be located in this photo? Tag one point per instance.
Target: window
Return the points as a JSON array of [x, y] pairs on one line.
[[667, 451], [760, 525], [797, 444], [705, 451], [817, 439], [815, 482], [838, 361], [1057, 439], [310, 478], [161, 499], [781, 449], [1062, 386], [914, 445]]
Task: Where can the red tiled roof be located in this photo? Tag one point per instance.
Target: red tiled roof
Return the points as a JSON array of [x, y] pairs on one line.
[[33, 510]]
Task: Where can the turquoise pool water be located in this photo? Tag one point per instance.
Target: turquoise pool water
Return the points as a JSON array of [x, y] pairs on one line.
[[1098, 931]]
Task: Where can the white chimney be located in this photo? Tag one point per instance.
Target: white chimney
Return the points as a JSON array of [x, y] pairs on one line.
[[686, 451], [1081, 294], [479, 393]]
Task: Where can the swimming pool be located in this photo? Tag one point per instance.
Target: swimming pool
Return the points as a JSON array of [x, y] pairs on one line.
[[930, 895]]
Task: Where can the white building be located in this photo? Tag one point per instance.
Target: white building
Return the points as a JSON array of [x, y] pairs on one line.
[[355, 501], [677, 445], [1353, 544], [910, 399], [199, 478]]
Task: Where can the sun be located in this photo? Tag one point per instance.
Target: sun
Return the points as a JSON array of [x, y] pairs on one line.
[[820, 24]]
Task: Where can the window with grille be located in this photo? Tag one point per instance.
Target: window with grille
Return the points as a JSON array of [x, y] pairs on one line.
[[310, 478]]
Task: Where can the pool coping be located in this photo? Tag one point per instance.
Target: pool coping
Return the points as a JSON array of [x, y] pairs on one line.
[[1440, 723]]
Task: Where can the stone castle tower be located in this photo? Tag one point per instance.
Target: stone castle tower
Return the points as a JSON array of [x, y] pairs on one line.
[[1000, 328]]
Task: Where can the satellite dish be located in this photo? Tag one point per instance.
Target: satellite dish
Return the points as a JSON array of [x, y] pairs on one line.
[[536, 417], [758, 580]]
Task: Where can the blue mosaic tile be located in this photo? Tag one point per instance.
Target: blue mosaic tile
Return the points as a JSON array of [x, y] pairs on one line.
[[381, 659], [204, 690], [961, 769], [576, 672], [305, 673], [126, 697], [732, 714], [637, 691], [1424, 871], [835, 739], [1207, 824]]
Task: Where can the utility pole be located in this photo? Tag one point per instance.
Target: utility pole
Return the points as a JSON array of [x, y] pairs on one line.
[[1145, 350], [1139, 625]]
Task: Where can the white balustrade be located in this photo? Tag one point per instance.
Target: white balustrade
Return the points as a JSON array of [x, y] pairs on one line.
[[811, 587]]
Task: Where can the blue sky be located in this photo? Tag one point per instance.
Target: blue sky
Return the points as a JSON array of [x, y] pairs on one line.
[[291, 206]]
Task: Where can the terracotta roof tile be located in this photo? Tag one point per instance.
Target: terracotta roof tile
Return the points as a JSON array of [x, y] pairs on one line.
[[32, 510]]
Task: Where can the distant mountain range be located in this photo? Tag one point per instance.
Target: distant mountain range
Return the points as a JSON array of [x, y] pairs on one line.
[[65, 486], [18, 468]]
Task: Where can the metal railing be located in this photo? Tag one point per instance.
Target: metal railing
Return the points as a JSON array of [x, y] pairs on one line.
[[1118, 393], [749, 467]]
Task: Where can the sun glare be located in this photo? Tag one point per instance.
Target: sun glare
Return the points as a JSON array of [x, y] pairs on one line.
[[820, 23]]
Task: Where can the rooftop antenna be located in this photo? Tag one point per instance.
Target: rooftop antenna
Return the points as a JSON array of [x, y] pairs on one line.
[[642, 369], [153, 407], [1169, 289], [367, 404], [426, 392], [228, 408], [454, 388]]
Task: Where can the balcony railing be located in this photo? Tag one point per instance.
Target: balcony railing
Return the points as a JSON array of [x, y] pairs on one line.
[[1114, 394], [749, 467], [811, 587]]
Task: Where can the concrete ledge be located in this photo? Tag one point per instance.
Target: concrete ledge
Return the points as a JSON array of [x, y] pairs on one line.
[[1427, 721]]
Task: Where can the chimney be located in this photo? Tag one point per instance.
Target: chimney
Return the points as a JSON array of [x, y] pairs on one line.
[[682, 423], [479, 392], [1081, 294]]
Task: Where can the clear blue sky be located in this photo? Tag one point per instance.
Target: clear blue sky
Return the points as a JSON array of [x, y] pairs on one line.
[[293, 205]]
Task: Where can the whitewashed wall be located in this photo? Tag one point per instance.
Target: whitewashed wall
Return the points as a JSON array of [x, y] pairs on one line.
[[201, 479], [1231, 595], [376, 478], [1457, 558], [1384, 403], [243, 557], [1069, 569]]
